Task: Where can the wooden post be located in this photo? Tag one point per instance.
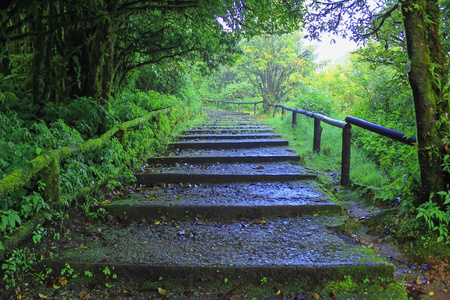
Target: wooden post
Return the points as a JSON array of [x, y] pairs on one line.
[[294, 119], [50, 176], [217, 104], [269, 112], [275, 111], [122, 136], [317, 135], [254, 108], [283, 113], [345, 168], [239, 107]]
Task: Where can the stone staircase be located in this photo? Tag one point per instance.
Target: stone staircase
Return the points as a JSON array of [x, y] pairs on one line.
[[230, 204]]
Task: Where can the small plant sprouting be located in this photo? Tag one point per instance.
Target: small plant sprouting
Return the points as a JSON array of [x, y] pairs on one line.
[[69, 271], [263, 280], [88, 273]]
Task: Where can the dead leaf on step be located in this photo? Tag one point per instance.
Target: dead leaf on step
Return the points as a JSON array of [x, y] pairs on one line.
[[163, 292], [260, 167]]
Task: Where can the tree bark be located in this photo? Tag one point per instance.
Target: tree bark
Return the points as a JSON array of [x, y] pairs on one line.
[[427, 77]]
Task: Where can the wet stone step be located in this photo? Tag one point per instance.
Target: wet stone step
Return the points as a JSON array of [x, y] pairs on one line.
[[199, 131], [228, 144], [235, 127], [301, 249], [258, 155], [251, 172], [248, 200], [229, 136]]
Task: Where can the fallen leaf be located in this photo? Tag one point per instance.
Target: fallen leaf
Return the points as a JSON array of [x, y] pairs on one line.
[[83, 293], [42, 296], [189, 294], [260, 167], [152, 198], [56, 286], [163, 292], [316, 296]]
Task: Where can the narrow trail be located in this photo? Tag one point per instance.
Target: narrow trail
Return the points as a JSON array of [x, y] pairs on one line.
[[228, 206]]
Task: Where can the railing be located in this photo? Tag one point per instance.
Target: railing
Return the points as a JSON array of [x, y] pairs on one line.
[[233, 102], [346, 133], [47, 165]]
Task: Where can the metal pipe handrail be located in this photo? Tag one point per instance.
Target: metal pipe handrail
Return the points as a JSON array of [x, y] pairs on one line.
[[384, 131], [346, 133], [326, 119]]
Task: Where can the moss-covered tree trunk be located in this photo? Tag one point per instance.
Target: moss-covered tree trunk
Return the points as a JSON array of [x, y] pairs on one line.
[[427, 77], [101, 59]]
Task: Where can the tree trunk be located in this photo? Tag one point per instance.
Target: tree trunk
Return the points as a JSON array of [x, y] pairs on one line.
[[427, 77]]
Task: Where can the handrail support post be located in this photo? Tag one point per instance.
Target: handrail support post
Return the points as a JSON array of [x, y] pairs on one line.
[[50, 176], [317, 135], [294, 119], [345, 167]]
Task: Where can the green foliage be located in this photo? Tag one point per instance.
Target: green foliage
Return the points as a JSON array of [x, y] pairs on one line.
[[313, 99], [107, 167], [435, 217], [17, 266]]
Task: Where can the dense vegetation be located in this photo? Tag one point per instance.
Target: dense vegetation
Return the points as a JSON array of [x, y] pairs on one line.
[[72, 70]]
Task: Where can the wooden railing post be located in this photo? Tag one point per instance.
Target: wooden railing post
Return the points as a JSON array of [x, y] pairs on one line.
[[275, 111], [122, 136], [269, 111], [345, 168], [50, 176], [294, 119], [317, 135], [283, 113], [254, 108], [239, 107], [217, 104]]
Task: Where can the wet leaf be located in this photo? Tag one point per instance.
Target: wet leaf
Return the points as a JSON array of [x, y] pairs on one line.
[[260, 167], [42, 296], [56, 286], [316, 296], [105, 202], [189, 294], [163, 292], [152, 198], [164, 218], [63, 281]]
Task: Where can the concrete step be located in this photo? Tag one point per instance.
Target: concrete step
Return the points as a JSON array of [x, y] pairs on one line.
[[252, 155], [223, 201], [229, 136], [228, 144], [224, 173], [217, 131], [303, 250]]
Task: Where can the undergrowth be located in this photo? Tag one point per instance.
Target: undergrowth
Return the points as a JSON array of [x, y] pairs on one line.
[[23, 137]]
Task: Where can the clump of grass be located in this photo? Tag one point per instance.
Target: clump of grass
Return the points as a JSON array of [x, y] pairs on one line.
[[363, 170]]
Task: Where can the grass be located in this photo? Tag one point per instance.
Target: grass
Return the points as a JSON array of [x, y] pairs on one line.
[[363, 171]]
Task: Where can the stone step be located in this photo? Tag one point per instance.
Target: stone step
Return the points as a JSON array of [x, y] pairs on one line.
[[228, 144], [215, 131], [223, 201], [303, 250], [233, 127], [252, 155], [224, 173], [229, 136]]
